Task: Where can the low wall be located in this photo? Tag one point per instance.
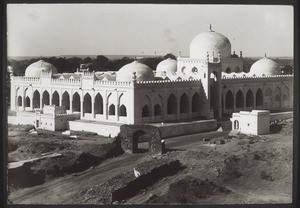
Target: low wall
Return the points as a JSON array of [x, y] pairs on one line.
[[281, 116], [184, 128], [90, 126], [21, 120]]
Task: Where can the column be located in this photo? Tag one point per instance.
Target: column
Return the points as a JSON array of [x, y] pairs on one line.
[[234, 100], [244, 96], [71, 102], [281, 97], [50, 97], [254, 97], [93, 105], [81, 106]]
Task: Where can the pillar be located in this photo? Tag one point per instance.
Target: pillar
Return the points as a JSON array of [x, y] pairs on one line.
[[71, 102]]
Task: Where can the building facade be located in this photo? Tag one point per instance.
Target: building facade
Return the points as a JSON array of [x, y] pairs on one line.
[[210, 83]]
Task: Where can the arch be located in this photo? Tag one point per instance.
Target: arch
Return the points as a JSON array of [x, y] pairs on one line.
[[87, 103], [249, 99], [237, 69], [228, 70], [239, 103], [27, 101], [229, 100], [45, 99], [98, 106], [76, 102], [123, 111], [285, 97], [285, 93], [36, 99], [196, 101], [66, 100], [259, 98], [157, 110], [184, 103], [55, 98], [277, 98], [19, 100], [214, 75], [112, 110], [172, 104], [236, 124], [146, 111]]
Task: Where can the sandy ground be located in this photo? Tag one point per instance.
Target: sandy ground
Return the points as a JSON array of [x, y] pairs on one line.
[[254, 169]]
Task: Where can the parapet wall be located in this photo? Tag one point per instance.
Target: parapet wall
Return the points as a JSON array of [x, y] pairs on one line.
[[281, 116], [256, 78]]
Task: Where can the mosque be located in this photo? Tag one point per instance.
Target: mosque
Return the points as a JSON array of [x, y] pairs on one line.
[[210, 83]]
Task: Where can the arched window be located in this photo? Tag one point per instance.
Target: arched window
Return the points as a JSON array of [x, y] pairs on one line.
[[277, 98], [237, 69], [66, 100], [172, 104], [229, 100], [98, 104], [228, 70], [196, 102], [236, 124], [87, 103], [36, 99], [112, 110], [27, 101], [239, 99], [249, 99], [55, 98], [45, 99], [146, 111], [123, 111], [20, 101], [268, 92], [157, 110], [76, 102], [184, 103], [259, 98]]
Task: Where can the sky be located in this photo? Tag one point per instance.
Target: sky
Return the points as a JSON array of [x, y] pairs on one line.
[[136, 29]]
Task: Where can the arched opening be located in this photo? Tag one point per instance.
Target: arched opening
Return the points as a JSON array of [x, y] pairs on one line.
[[55, 98], [237, 69], [45, 99], [27, 101], [20, 100], [236, 124], [239, 100], [146, 111], [259, 98], [36, 99], [76, 102], [172, 105], [249, 99], [229, 100], [87, 103], [214, 76], [98, 104], [277, 98], [66, 100], [196, 102], [184, 103], [137, 138], [123, 111], [228, 70], [112, 110], [157, 110]]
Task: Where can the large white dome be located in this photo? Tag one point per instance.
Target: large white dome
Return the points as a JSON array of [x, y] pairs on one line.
[[142, 72], [168, 65], [35, 69], [210, 41], [265, 66]]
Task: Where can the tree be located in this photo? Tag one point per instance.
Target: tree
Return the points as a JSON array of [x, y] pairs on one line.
[[170, 55]]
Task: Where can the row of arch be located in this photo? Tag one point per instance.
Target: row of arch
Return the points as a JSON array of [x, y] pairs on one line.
[[229, 70], [257, 101], [172, 105]]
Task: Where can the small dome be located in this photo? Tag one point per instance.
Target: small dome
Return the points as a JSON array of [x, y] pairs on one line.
[[168, 65], [210, 41], [35, 69], [142, 72], [265, 66]]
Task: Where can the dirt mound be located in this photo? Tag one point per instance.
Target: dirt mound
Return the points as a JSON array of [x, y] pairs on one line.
[[126, 185], [188, 190]]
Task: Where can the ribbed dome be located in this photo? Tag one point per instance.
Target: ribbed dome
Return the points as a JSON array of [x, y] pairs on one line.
[[168, 65], [35, 69], [143, 72], [210, 41], [265, 66]]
